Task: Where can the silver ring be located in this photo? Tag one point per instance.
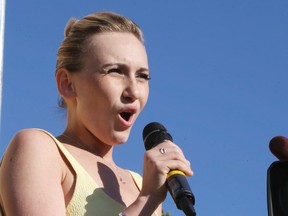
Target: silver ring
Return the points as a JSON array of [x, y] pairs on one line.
[[162, 150]]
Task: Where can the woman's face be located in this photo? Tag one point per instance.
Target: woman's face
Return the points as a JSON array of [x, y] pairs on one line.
[[112, 88]]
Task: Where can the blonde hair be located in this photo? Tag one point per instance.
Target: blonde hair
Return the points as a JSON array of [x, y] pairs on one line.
[[77, 32]]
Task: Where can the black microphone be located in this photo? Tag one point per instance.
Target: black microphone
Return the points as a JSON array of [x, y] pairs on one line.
[[277, 178], [154, 134]]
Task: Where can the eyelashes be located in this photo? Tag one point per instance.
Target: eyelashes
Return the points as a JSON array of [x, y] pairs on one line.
[[114, 70], [120, 72], [143, 76]]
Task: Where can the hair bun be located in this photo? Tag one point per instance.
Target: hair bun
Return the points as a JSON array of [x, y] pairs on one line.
[[69, 26]]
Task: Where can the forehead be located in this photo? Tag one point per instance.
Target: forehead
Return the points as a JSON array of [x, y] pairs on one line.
[[116, 46]]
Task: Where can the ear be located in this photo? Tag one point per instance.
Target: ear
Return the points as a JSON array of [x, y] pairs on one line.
[[64, 83]]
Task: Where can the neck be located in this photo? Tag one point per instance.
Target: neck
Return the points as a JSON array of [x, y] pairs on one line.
[[90, 143], [83, 138]]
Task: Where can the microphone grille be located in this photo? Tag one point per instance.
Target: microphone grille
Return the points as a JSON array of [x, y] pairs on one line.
[[155, 133]]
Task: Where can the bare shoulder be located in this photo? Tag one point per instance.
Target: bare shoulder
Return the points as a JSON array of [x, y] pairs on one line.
[[30, 147], [31, 139], [31, 134]]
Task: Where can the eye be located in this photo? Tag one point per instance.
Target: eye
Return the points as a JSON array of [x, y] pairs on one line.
[[144, 76], [115, 70]]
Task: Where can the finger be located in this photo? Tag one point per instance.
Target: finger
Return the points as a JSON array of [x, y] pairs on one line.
[[171, 146], [168, 151], [172, 151], [178, 165]]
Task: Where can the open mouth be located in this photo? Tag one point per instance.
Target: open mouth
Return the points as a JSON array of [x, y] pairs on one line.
[[126, 115]]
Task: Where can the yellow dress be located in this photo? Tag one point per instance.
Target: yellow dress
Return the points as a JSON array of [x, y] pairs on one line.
[[88, 198]]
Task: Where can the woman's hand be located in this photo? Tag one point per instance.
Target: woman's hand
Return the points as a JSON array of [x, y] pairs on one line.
[[158, 161]]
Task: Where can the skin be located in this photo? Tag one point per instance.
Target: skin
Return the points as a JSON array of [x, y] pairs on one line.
[[116, 73]]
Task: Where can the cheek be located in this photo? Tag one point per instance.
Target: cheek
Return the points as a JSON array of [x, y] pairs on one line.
[[144, 97], [94, 96], [112, 92]]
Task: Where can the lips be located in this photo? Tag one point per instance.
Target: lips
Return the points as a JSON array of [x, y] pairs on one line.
[[126, 115]]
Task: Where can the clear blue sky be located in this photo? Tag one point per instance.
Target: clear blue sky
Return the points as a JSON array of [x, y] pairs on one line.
[[219, 85]]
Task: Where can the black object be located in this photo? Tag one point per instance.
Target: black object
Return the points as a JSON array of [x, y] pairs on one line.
[[277, 188], [278, 145], [153, 134]]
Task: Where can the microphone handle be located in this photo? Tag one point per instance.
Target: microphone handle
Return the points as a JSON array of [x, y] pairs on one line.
[[181, 192]]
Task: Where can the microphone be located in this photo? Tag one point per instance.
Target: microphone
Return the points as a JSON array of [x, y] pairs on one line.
[[154, 134], [279, 147], [277, 178]]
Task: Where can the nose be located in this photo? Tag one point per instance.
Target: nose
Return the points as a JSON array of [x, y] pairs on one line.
[[132, 91]]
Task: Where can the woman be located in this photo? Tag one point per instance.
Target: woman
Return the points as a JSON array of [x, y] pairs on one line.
[[102, 75]]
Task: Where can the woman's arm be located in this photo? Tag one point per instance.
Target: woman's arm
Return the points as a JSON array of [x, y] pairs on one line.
[[31, 176]]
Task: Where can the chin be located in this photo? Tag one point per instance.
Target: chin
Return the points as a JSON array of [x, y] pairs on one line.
[[119, 137]]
